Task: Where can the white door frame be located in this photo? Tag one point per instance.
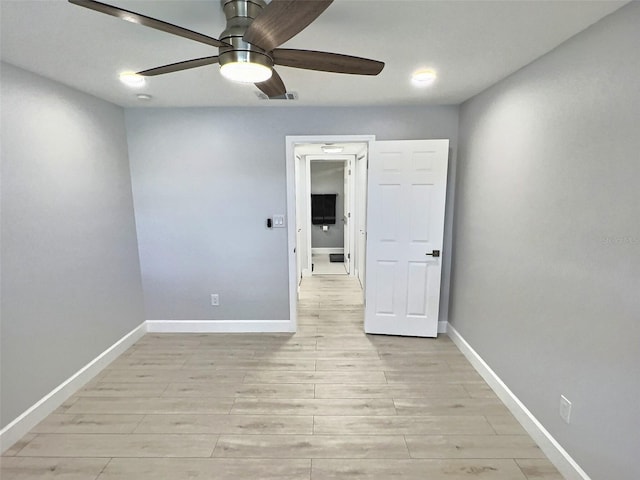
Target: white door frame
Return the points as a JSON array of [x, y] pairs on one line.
[[290, 143], [360, 240], [323, 158]]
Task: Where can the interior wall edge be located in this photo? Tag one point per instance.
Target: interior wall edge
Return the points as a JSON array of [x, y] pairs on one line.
[[565, 464], [20, 426]]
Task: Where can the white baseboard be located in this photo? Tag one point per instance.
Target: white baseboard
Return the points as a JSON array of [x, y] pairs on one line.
[[549, 445], [36, 413], [219, 326], [442, 327], [327, 250]]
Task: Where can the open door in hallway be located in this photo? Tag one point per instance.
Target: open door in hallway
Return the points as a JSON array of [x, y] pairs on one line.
[[405, 226]]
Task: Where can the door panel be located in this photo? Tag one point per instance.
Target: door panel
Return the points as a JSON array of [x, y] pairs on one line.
[[406, 199]]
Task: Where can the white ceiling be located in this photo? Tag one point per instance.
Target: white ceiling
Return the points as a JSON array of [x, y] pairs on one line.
[[472, 45]]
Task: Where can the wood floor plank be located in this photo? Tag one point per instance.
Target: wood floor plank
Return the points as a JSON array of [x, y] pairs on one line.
[[135, 405], [260, 390], [107, 389], [341, 390], [230, 424], [315, 377], [391, 469], [88, 423], [314, 406], [505, 424], [20, 468], [253, 364], [414, 378], [183, 375], [538, 469], [449, 406], [311, 446], [206, 469], [96, 445], [401, 425], [19, 445], [472, 446]]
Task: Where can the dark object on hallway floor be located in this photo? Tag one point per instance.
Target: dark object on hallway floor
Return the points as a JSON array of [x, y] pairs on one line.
[[336, 258]]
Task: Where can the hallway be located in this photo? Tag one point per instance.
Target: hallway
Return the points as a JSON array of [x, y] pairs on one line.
[[326, 403]]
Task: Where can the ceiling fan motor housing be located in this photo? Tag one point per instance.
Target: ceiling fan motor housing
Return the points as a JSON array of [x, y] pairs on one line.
[[240, 14]]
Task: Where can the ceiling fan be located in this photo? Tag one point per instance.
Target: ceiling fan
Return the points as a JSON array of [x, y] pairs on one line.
[[248, 47]]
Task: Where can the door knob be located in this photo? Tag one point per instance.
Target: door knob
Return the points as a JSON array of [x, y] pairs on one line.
[[435, 253]]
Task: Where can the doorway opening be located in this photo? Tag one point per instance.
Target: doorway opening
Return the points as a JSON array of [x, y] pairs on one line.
[[403, 194], [327, 195], [329, 180]]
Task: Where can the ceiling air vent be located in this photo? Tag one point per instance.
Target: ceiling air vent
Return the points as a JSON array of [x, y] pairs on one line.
[[286, 96]]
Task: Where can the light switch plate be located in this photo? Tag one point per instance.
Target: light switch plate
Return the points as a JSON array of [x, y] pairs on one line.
[[278, 221]]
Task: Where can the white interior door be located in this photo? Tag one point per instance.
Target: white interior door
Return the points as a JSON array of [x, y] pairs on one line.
[[405, 225]]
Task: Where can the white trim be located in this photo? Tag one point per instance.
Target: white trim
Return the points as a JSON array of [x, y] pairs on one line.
[[442, 327], [291, 233], [307, 205], [47, 404], [549, 445], [219, 326], [327, 250]]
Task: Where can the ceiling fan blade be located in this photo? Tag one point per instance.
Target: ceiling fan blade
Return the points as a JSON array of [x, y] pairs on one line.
[[326, 62], [281, 20], [176, 67], [148, 22], [274, 87]]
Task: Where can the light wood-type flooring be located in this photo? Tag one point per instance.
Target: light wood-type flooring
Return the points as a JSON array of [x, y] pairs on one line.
[[328, 403]]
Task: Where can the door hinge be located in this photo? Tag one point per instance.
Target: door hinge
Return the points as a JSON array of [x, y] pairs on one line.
[[349, 215], [349, 171], [348, 256]]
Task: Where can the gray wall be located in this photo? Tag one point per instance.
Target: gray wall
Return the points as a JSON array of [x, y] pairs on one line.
[[328, 177], [546, 269], [71, 282], [206, 179]]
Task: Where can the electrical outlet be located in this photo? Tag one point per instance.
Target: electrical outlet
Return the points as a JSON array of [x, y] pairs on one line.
[[215, 299], [565, 409]]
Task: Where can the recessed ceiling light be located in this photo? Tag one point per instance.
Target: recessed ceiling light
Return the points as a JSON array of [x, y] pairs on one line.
[[132, 79], [423, 77], [144, 96], [332, 149]]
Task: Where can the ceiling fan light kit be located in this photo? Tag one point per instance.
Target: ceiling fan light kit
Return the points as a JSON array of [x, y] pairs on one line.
[[246, 70], [248, 47], [241, 61]]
